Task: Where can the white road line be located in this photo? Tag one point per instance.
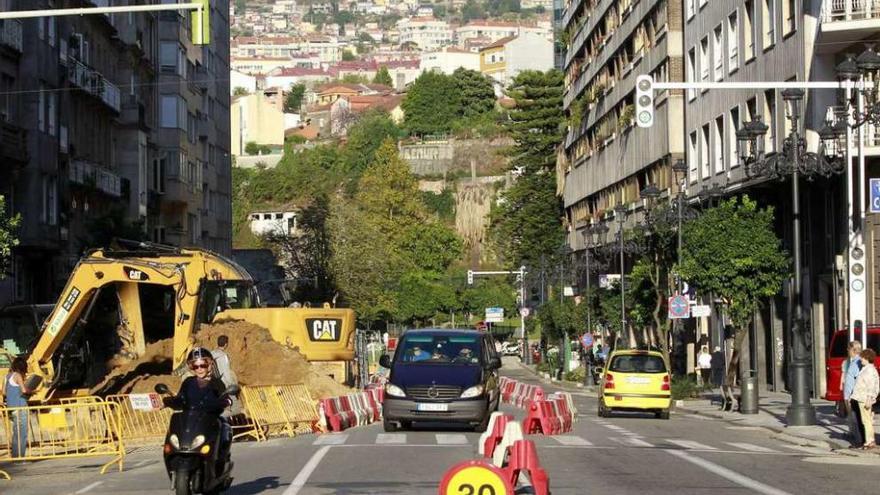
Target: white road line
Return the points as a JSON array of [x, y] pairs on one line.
[[572, 440], [395, 438], [614, 427], [691, 445], [697, 416], [451, 439], [632, 442], [303, 476], [727, 474], [751, 447], [743, 428], [331, 439], [88, 488]]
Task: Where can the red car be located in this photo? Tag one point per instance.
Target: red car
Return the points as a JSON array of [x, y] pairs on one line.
[[837, 354]]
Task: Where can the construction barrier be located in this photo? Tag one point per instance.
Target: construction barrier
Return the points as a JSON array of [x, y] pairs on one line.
[[547, 415], [278, 410], [348, 411], [139, 424], [74, 429]]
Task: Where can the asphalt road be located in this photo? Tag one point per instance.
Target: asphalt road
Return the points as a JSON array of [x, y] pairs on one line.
[[628, 453]]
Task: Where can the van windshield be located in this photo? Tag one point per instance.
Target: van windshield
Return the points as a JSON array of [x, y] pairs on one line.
[[464, 350]]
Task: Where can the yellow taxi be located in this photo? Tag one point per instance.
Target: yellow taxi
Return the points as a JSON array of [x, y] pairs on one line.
[[635, 380]]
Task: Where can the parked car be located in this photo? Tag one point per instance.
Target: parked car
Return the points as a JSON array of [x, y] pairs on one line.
[[636, 380], [837, 355], [441, 375], [510, 349]]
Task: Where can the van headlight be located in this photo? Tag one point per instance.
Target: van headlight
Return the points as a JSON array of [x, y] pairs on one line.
[[174, 441], [394, 390], [197, 442], [472, 392]]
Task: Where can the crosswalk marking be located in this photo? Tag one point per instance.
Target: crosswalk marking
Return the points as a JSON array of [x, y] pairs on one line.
[[392, 438], [572, 440], [689, 444], [451, 439], [614, 427], [331, 439], [751, 447], [632, 442]]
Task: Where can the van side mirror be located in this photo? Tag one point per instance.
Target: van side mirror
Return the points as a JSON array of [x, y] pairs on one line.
[[494, 363], [385, 361]]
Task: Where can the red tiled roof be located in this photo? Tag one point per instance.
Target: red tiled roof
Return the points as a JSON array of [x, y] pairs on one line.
[[500, 43]]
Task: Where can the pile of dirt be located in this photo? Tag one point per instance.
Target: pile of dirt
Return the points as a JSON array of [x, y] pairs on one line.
[[255, 357]]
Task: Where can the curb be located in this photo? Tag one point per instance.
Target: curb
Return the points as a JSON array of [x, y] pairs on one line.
[[563, 384], [784, 434]]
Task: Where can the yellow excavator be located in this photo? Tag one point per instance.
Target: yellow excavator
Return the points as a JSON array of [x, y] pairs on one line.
[[118, 301]]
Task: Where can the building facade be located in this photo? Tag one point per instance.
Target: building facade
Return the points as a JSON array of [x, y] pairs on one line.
[[85, 106], [426, 33], [507, 57]]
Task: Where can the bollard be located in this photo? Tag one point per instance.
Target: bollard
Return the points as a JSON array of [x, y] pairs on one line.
[[748, 399]]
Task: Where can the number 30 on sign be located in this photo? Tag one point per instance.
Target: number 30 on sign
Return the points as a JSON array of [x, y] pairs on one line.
[[475, 478]]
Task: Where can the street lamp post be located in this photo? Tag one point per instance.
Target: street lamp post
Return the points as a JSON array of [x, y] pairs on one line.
[[588, 233], [620, 215], [796, 161]]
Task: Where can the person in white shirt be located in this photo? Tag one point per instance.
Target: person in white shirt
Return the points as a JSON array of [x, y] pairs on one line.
[[224, 371], [704, 366]]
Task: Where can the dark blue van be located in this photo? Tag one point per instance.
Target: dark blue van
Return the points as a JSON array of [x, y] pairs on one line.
[[441, 376]]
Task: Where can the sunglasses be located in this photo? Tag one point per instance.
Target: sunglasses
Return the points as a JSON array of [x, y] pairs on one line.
[[201, 366]]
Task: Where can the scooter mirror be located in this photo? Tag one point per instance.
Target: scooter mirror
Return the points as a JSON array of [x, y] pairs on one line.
[[163, 389], [233, 390]]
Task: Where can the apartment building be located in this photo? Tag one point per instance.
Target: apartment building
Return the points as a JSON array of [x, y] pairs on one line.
[[326, 48], [83, 135], [507, 57], [496, 30], [779, 40], [426, 33], [605, 161]]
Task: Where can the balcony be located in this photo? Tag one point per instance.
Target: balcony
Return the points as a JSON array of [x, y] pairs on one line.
[[92, 82], [842, 18], [10, 34], [134, 113], [13, 142], [92, 175]]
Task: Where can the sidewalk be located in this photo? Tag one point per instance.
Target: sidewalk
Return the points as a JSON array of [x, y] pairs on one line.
[[563, 384], [830, 431]]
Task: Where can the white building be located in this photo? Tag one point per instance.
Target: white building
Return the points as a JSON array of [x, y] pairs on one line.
[[273, 223], [241, 80], [531, 4], [426, 32], [448, 60], [496, 30], [326, 48], [507, 57]]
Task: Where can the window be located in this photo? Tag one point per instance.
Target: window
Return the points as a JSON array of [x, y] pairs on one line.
[[691, 71], [168, 57], [749, 29], [703, 3], [193, 227], [52, 100], [718, 145], [172, 112], [692, 156], [733, 126], [50, 201], [768, 23], [41, 111], [691, 8], [732, 42], [789, 23], [704, 60], [770, 120], [158, 183], [50, 21], [717, 54], [159, 235], [704, 152]]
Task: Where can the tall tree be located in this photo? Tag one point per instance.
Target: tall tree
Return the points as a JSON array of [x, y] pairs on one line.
[[9, 225], [294, 98], [364, 138], [472, 10], [733, 253], [390, 192], [476, 90], [526, 222], [431, 104], [383, 77]]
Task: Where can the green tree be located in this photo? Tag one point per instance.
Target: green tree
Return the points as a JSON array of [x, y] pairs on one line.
[[433, 247], [472, 10], [294, 98], [354, 79], [534, 123], [388, 191], [431, 104], [439, 11], [733, 253], [487, 293], [347, 56], [240, 91], [421, 295], [476, 92], [364, 138], [9, 225], [383, 77]]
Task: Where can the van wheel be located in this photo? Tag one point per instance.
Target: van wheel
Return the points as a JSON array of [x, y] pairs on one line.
[[390, 426], [664, 414], [482, 425]]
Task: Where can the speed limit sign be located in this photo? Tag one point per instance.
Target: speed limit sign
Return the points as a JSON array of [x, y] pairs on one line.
[[475, 478]]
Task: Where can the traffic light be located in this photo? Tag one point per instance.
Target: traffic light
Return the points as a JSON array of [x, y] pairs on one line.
[[470, 277], [645, 101], [201, 23]]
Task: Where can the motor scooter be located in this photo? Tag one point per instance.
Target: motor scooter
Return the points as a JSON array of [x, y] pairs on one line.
[[193, 451]]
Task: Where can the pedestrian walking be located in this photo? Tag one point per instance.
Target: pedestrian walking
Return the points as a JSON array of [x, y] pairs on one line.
[[716, 364], [865, 392], [704, 366], [851, 367], [223, 370], [15, 391]]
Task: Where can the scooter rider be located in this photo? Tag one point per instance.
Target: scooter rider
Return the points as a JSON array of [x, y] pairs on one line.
[[204, 392]]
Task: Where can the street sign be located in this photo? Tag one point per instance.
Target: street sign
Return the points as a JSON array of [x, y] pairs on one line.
[[587, 340], [701, 310], [568, 291], [477, 478], [875, 196], [525, 312], [679, 307], [494, 315]]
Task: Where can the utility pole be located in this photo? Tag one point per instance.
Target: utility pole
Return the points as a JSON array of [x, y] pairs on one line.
[[521, 279]]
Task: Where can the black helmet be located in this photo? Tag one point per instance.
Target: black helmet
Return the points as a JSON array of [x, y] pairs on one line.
[[198, 353]]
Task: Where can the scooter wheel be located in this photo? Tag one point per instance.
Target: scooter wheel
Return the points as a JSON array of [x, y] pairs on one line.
[[182, 484]]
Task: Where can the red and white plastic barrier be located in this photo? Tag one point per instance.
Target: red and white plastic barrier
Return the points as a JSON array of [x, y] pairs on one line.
[[348, 411], [550, 415]]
